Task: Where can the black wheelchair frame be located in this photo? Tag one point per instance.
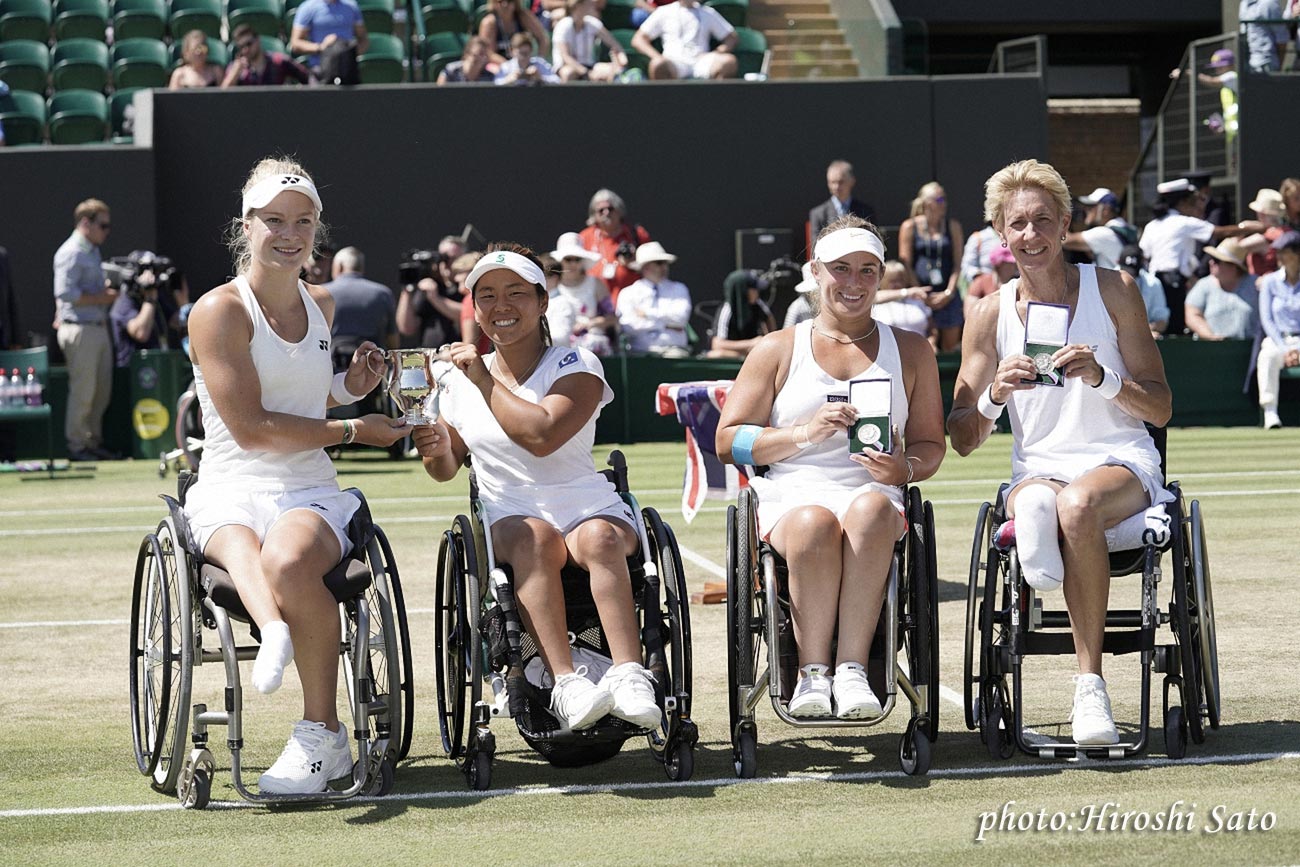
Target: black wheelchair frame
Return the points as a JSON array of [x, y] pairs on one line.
[[758, 617], [479, 636], [176, 595]]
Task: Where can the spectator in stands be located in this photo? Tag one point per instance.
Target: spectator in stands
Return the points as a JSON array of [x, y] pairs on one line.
[[975, 256], [254, 66], [654, 312], [469, 328], [363, 309], [574, 40], [928, 242], [801, 307], [1224, 305], [580, 312], [1170, 241], [472, 65], [988, 282], [616, 240], [686, 28], [1261, 258], [743, 318], [429, 310], [901, 300], [323, 29], [641, 11], [504, 20], [840, 180], [146, 315], [1266, 39], [1153, 291], [523, 67], [1107, 232], [82, 298], [1279, 316], [196, 70], [1290, 190]]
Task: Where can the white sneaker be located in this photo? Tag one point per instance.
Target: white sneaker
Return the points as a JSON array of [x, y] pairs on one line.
[[313, 756], [812, 694], [1271, 419], [634, 694], [577, 702], [1091, 717], [853, 696]]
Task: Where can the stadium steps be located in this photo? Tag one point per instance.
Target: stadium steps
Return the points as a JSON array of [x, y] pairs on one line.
[[804, 38]]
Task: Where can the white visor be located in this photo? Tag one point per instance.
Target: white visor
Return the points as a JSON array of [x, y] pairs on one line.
[[267, 189], [521, 265], [842, 242]]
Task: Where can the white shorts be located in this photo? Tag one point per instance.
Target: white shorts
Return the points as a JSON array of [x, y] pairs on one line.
[[775, 501], [1149, 477], [701, 67], [211, 507], [562, 508]]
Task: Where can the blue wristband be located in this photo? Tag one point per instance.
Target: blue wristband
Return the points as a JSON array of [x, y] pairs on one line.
[[742, 444]]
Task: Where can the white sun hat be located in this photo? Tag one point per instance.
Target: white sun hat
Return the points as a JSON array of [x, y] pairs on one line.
[[570, 246]]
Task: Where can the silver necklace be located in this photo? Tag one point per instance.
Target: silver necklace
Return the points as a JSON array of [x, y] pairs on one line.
[[519, 380], [845, 340]]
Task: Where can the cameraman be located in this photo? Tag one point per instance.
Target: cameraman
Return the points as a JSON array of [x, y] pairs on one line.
[[428, 309], [147, 307]]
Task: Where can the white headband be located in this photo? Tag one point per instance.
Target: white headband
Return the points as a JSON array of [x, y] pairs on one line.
[[262, 192], [521, 265], [842, 242]]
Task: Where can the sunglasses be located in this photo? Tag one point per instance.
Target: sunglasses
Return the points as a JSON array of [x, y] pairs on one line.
[[605, 209], [104, 225], [577, 259]]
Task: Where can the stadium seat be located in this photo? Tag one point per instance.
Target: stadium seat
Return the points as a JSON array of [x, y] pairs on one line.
[[80, 64], [140, 63], [117, 106], [439, 50], [735, 11], [378, 15], [290, 9], [139, 19], [217, 52], [445, 16], [751, 51], [25, 19], [618, 14], [22, 113], [270, 45], [384, 61], [25, 65], [190, 15], [77, 117], [80, 19], [264, 16]]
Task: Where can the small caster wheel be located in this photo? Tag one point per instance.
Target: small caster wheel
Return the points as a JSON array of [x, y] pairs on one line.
[[745, 753], [681, 763], [198, 792], [480, 772], [914, 750], [1175, 733], [382, 783]]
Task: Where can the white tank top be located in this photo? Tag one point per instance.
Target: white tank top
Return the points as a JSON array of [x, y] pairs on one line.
[[807, 387], [1061, 433], [295, 380]]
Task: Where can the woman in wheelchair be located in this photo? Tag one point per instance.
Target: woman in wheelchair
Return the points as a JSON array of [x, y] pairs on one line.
[[1082, 459], [527, 412], [834, 514], [268, 508]]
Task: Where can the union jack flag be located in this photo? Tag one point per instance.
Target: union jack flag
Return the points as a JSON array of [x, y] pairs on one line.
[[698, 405]]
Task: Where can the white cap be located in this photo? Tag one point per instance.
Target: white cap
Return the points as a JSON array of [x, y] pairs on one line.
[[262, 192], [842, 242], [1178, 185], [521, 265], [570, 246], [652, 251], [809, 282], [1099, 195]]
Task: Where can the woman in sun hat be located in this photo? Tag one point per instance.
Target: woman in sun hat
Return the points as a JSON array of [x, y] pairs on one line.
[[1269, 209], [834, 516], [527, 412], [1224, 304], [581, 313], [267, 506]]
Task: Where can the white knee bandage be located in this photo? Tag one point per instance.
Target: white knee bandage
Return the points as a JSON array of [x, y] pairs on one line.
[[1038, 538]]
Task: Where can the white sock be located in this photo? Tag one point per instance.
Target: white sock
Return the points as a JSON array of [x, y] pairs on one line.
[[1151, 525], [275, 653], [1038, 539]]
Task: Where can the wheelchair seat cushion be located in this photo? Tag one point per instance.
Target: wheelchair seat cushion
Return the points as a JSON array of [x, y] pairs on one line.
[[348, 580]]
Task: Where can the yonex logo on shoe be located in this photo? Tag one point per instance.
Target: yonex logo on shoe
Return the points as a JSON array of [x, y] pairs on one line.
[[315, 767]]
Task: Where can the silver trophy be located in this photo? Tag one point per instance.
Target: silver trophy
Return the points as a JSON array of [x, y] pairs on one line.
[[412, 384]]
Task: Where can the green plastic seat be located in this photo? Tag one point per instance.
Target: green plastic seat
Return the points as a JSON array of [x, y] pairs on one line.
[[25, 19], [751, 51], [290, 9], [139, 19], [735, 11], [79, 64], [25, 65], [77, 117], [217, 53], [445, 16], [378, 15], [22, 113], [187, 15], [441, 49], [80, 19], [140, 63], [264, 16], [384, 61], [635, 59], [118, 103], [618, 14]]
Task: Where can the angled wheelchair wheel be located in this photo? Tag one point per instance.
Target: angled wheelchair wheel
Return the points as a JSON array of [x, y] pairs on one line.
[[996, 719], [189, 430], [382, 654], [162, 657], [920, 613], [1182, 622], [1205, 637], [742, 614], [974, 601], [674, 742], [456, 639], [406, 685]]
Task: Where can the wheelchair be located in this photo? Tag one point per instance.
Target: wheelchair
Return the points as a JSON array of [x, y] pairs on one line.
[[480, 640], [1006, 622], [177, 596], [189, 435], [760, 628]]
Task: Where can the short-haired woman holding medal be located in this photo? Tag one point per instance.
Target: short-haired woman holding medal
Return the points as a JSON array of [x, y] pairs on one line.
[[831, 505], [1082, 459], [267, 506]]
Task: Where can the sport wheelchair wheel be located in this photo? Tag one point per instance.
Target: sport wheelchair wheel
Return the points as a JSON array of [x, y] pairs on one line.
[[920, 611], [982, 563], [456, 635], [742, 615], [1193, 622], [674, 742], [162, 657]]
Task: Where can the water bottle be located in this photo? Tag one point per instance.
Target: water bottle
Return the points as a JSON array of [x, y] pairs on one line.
[[35, 393], [6, 393], [17, 392]]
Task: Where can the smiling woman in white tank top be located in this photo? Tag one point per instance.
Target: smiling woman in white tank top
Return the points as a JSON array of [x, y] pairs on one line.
[[834, 516]]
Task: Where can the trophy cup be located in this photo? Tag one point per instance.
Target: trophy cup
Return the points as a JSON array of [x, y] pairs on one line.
[[411, 383]]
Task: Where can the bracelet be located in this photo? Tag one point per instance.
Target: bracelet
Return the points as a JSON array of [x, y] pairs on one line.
[[988, 407], [339, 390], [349, 431], [795, 435], [742, 444], [1110, 383], [911, 470]]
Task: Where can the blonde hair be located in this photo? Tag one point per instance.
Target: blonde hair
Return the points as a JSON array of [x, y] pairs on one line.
[[1026, 174], [933, 188], [848, 221], [89, 210], [192, 40], [237, 242], [897, 275]]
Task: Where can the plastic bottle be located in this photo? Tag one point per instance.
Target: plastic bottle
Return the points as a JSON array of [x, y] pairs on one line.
[[17, 393], [6, 392], [35, 393]]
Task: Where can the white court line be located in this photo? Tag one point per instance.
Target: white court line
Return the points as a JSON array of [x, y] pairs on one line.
[[703, 562], [611, 788], [45, 624]]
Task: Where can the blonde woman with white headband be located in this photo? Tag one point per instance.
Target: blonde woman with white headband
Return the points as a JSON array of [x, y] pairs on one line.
[[527, 412], [267, 507], [832, 514]]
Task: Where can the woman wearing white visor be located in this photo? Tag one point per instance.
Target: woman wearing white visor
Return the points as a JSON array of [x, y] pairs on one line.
[[832, 514], [527, 412]]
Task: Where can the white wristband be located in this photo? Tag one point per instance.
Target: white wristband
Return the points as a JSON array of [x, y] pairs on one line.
[[339, 390], [990, 410], [1110, 383]]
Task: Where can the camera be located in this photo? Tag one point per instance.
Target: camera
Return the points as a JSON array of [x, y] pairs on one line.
[[125, 272], [417, 265], [626, 250]]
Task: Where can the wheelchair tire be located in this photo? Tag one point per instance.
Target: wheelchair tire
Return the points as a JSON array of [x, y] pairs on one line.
[[1182, 622], [382, 645], [921, 613], [996, 720], [189, 429], [407, 665], [456, 640], [1206, 638], [680, 764], [914, 751], [980, 549], [1175, 733], [675, 611], [746, 752], [742, 553]]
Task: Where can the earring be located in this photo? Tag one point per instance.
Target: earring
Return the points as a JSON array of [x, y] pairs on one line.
[[1004, 244], [1062, 239]]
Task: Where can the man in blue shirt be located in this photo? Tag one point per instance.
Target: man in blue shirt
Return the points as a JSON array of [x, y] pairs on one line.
[[318, 24], [1266, 40]]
